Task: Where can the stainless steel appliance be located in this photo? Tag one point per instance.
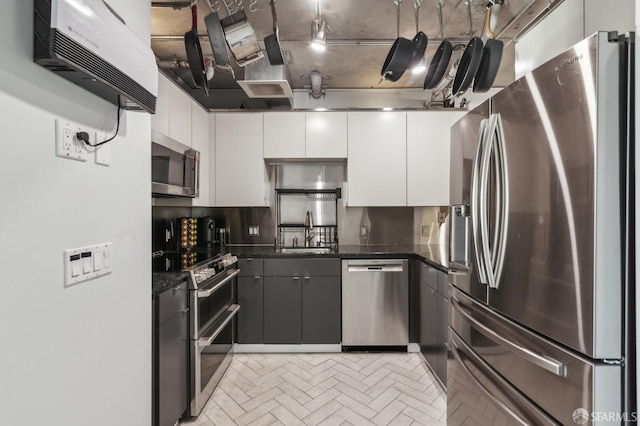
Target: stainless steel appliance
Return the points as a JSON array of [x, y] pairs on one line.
[[175, 168], [375, 303], [212, 306], [207, 232], [540, 317]]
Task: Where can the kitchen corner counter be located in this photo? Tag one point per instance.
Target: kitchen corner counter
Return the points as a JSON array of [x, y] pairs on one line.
[[163, 281], [431, 253]]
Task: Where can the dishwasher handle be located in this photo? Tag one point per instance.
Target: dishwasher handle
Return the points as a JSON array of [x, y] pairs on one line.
[[375, 268]]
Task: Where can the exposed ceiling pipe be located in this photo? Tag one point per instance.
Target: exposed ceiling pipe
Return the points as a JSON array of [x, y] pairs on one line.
[[336, 42], [175, 5]]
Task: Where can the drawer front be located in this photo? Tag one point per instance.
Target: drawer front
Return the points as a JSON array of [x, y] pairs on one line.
[[250, 266], [429, 275], [172, 302], [443, 284], [296, 267]]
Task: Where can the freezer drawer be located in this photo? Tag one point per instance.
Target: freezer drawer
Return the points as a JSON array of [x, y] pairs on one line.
[[554, 379]]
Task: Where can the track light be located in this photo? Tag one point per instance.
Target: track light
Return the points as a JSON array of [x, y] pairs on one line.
[[319, 29]]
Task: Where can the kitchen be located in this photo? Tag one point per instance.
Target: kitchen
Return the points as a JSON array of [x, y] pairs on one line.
[[95, 335]]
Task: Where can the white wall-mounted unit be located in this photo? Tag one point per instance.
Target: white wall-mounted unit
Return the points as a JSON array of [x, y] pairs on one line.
[[86, 42]]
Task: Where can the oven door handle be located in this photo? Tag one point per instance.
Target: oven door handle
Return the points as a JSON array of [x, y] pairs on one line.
[[210, 291], [208, 340]]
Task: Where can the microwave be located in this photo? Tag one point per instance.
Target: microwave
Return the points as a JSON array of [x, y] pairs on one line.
[[175, 168]]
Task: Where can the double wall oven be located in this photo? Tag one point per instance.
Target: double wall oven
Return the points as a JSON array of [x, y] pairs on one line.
[[212, 297]]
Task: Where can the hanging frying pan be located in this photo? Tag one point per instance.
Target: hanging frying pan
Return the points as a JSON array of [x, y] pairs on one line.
[[420, 40], [441, 58], [399, 56], [218, 42], [468, 66], [450, 73], [194, 53], [491, 57], [271, 42]]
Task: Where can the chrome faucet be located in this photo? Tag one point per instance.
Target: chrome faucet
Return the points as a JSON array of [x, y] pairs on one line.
[[308, 227]]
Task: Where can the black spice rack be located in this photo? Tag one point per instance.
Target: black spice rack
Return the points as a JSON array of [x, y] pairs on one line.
[[292, 207]]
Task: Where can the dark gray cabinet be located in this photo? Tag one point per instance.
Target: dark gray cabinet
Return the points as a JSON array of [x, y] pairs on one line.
[[170, 355], [251, 301], [321, 310], [433, 317], [302, 301], [282, 310]]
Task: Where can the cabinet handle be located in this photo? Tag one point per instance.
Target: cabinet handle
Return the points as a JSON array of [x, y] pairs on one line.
[[296, 279], [256, 278]]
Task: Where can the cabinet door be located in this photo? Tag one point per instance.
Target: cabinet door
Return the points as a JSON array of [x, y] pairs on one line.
[[282, 310], [321, 310], [241, 174], [414, 301], [200, 142], [160, 120], [173, 369], [428, 153], [377, 159], [429, 323], [441, 366], [180, 115], [326, 134], [250, 315], [284, 135]]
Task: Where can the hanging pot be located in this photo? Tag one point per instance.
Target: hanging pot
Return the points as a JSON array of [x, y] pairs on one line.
[[272, 42], [468, 66], [399, 56], [440, 60], [491, 58], [241, 38], [218, 43], [420, 40], [194, 53]]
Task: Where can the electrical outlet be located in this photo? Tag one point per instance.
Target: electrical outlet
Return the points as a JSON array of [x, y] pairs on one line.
[[254, 231], [442, 216], [425, 230], [364, 230], [67, 144]]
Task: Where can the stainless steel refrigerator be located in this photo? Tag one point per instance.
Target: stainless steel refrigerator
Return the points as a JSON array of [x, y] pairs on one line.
[[540, 292]]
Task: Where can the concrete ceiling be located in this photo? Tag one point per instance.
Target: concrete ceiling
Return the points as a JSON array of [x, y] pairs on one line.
[[362, 34]]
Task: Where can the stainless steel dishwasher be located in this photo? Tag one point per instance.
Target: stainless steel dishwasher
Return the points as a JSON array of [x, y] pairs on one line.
[[375, 302]]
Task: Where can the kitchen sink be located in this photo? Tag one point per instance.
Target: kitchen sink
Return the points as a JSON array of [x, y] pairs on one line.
[[305, 250]]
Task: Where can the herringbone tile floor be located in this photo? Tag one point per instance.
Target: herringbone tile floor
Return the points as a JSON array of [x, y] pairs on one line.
[[326, 389]]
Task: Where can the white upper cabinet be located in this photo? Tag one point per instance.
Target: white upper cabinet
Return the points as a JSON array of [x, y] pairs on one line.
[[428, 156], [284, 135], [377, 159], [241, 176], [173, 112], [200, 142], [180, 116], [160, 120], [293, 135], [326, 134]]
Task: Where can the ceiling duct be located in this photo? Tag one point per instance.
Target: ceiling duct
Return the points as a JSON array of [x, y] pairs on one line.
[[263, 80]]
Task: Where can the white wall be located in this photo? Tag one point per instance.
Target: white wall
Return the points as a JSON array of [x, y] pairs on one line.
[[568, 24], [79, 355]]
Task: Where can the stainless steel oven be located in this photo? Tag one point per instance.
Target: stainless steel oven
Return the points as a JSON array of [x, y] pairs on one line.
[[213, 311], [175, 168]]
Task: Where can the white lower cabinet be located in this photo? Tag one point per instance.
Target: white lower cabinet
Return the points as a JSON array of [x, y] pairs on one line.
[[377, 159], [241, 176], [428, 156]]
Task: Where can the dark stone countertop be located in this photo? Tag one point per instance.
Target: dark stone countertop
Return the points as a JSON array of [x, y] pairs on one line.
[[428, 253], [163, 281]]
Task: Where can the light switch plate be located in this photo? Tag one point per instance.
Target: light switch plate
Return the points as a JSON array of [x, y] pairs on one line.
[[425, 230], [103, 152], [84, 263]]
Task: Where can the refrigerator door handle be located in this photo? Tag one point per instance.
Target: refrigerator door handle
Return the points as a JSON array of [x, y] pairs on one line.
[[468, 353], [552, 365], [475, 206], [484, 170], [503, 180]]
